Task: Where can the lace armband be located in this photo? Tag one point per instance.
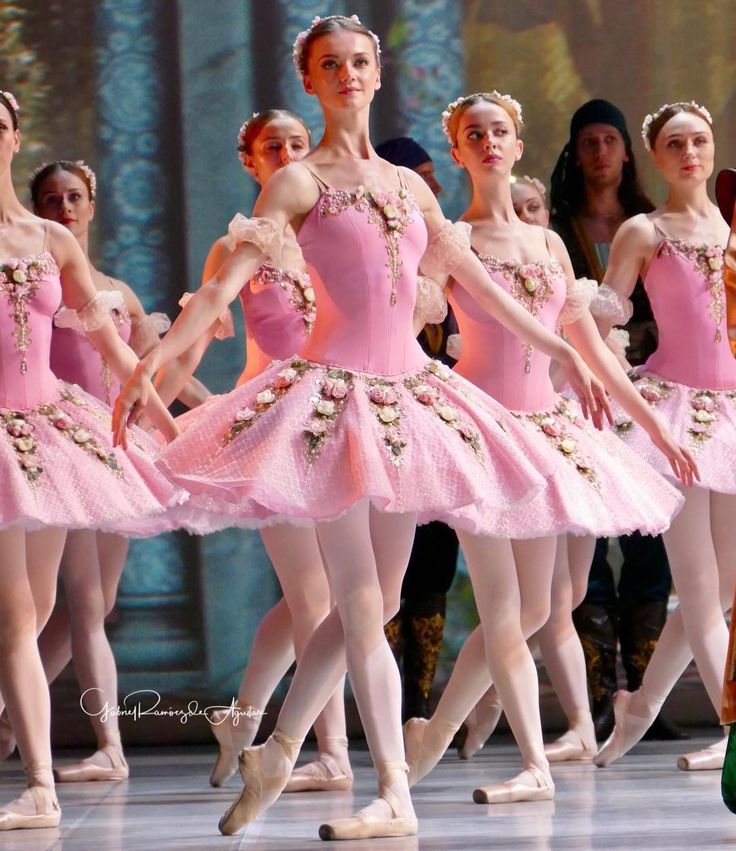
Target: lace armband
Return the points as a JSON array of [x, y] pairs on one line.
[[224, 327], [445, 249], [618, 341], [266, 235], [144, 334], [431, 304], [579, 297], [609, 306], [93, 314], [454, 346]]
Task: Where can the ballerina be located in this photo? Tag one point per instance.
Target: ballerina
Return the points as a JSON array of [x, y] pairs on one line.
[[361, 433], [601, 487], [59, 468], [278, 305], [690, 380]]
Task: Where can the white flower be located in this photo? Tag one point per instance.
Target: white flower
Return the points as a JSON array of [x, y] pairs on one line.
[[308, 294], [448, 414], [325, 407], [388, 415], [568, 446], [703, 416], [715, 263], [530, 285], [266, 397]]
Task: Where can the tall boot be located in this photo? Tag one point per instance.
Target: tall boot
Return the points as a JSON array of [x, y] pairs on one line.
[[424, 626], [596, 626], [639, 627]]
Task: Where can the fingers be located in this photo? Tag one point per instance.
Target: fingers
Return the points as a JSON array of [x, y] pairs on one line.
[[692, 463]]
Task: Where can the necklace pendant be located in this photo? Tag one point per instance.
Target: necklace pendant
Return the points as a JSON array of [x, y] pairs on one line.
[[718, 336], [527, 367], [392, 300]]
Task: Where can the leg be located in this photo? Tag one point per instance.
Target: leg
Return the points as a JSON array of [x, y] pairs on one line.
[[86, 576], [565, 662], [366, 554], [297, 560], [22, 680], [702, 570]]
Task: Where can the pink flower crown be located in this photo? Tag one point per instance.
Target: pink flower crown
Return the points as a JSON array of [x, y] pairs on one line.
[[302, 37], [653, 116], [10, 98], [241, 138], [90, 176], [451, 107]]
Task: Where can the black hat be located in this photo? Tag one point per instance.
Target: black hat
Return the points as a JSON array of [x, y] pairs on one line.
[[403, 151], [599, 111], [726, 192]]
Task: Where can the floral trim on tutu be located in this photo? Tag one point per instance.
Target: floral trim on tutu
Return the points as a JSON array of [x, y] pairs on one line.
[[703, 419]]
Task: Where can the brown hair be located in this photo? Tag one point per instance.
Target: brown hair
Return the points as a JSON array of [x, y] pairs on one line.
[[37, 178], [328, 25], [473, 100], [250, 131], [9, 106], [673, 109]]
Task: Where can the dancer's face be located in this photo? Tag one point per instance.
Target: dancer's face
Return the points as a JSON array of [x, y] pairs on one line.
[[529, 204], [343, 72], [486, 140], [600, 151], [63, 197], [684, 150], [426, 172], [280, 142], [9, 138]]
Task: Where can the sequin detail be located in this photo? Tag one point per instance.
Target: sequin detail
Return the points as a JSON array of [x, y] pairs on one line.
[[298, 286], [708, 262], [19, 281], [389, 212], [19, 431], [553, 426], [266, 398], [328, 403], [429, 396], [531, 286], [384, 401]]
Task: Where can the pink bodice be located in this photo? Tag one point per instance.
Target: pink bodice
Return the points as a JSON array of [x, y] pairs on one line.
[[685, 288], [76, 360], [279, 313], [363, 251], [493, 358], [30, 293]]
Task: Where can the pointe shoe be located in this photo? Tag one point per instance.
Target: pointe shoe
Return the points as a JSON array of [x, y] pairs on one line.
[[479, 726], [325, 774], [86, 771], [708, 759], [538, 787], [365, 825], [627, 731], [36, 808], [233, 729], [259, 792], [425, 747], [570, 747]]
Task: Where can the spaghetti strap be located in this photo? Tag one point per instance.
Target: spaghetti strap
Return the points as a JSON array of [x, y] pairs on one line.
[[323, 185], [546, 242], [402, 181], [658, 230], [45, 245]]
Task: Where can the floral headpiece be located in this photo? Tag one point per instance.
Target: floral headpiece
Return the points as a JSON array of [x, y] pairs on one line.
[[89, 175], [241, 138], [10, 98], [451, 107], [647, 123], [532, 181], [302, 37]]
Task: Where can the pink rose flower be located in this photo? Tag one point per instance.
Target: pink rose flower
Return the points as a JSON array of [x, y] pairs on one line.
[[317, 427], [383, 395], [698, 428], [425, 394], [651, 394], [245, 415], [335, 388], [550, 428], [62, 422], [285, 378]]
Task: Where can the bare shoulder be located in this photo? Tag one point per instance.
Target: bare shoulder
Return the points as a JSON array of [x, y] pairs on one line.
[[638, 230], [292, 191]]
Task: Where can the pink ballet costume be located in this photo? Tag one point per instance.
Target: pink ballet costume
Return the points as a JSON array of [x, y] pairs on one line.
[[58, 464], [600, 486], [361, 412], [75, 360], [690, 380]]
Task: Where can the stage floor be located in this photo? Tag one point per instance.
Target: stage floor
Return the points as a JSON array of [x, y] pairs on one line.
[[643, 803]]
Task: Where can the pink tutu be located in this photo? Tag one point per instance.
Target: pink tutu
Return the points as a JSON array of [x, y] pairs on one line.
[[601, 487], [304, 442], [59, 469], [701, 419]]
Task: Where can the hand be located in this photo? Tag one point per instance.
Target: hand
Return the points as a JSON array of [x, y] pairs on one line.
[[682, 462], [129, 404], [588, 389]]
